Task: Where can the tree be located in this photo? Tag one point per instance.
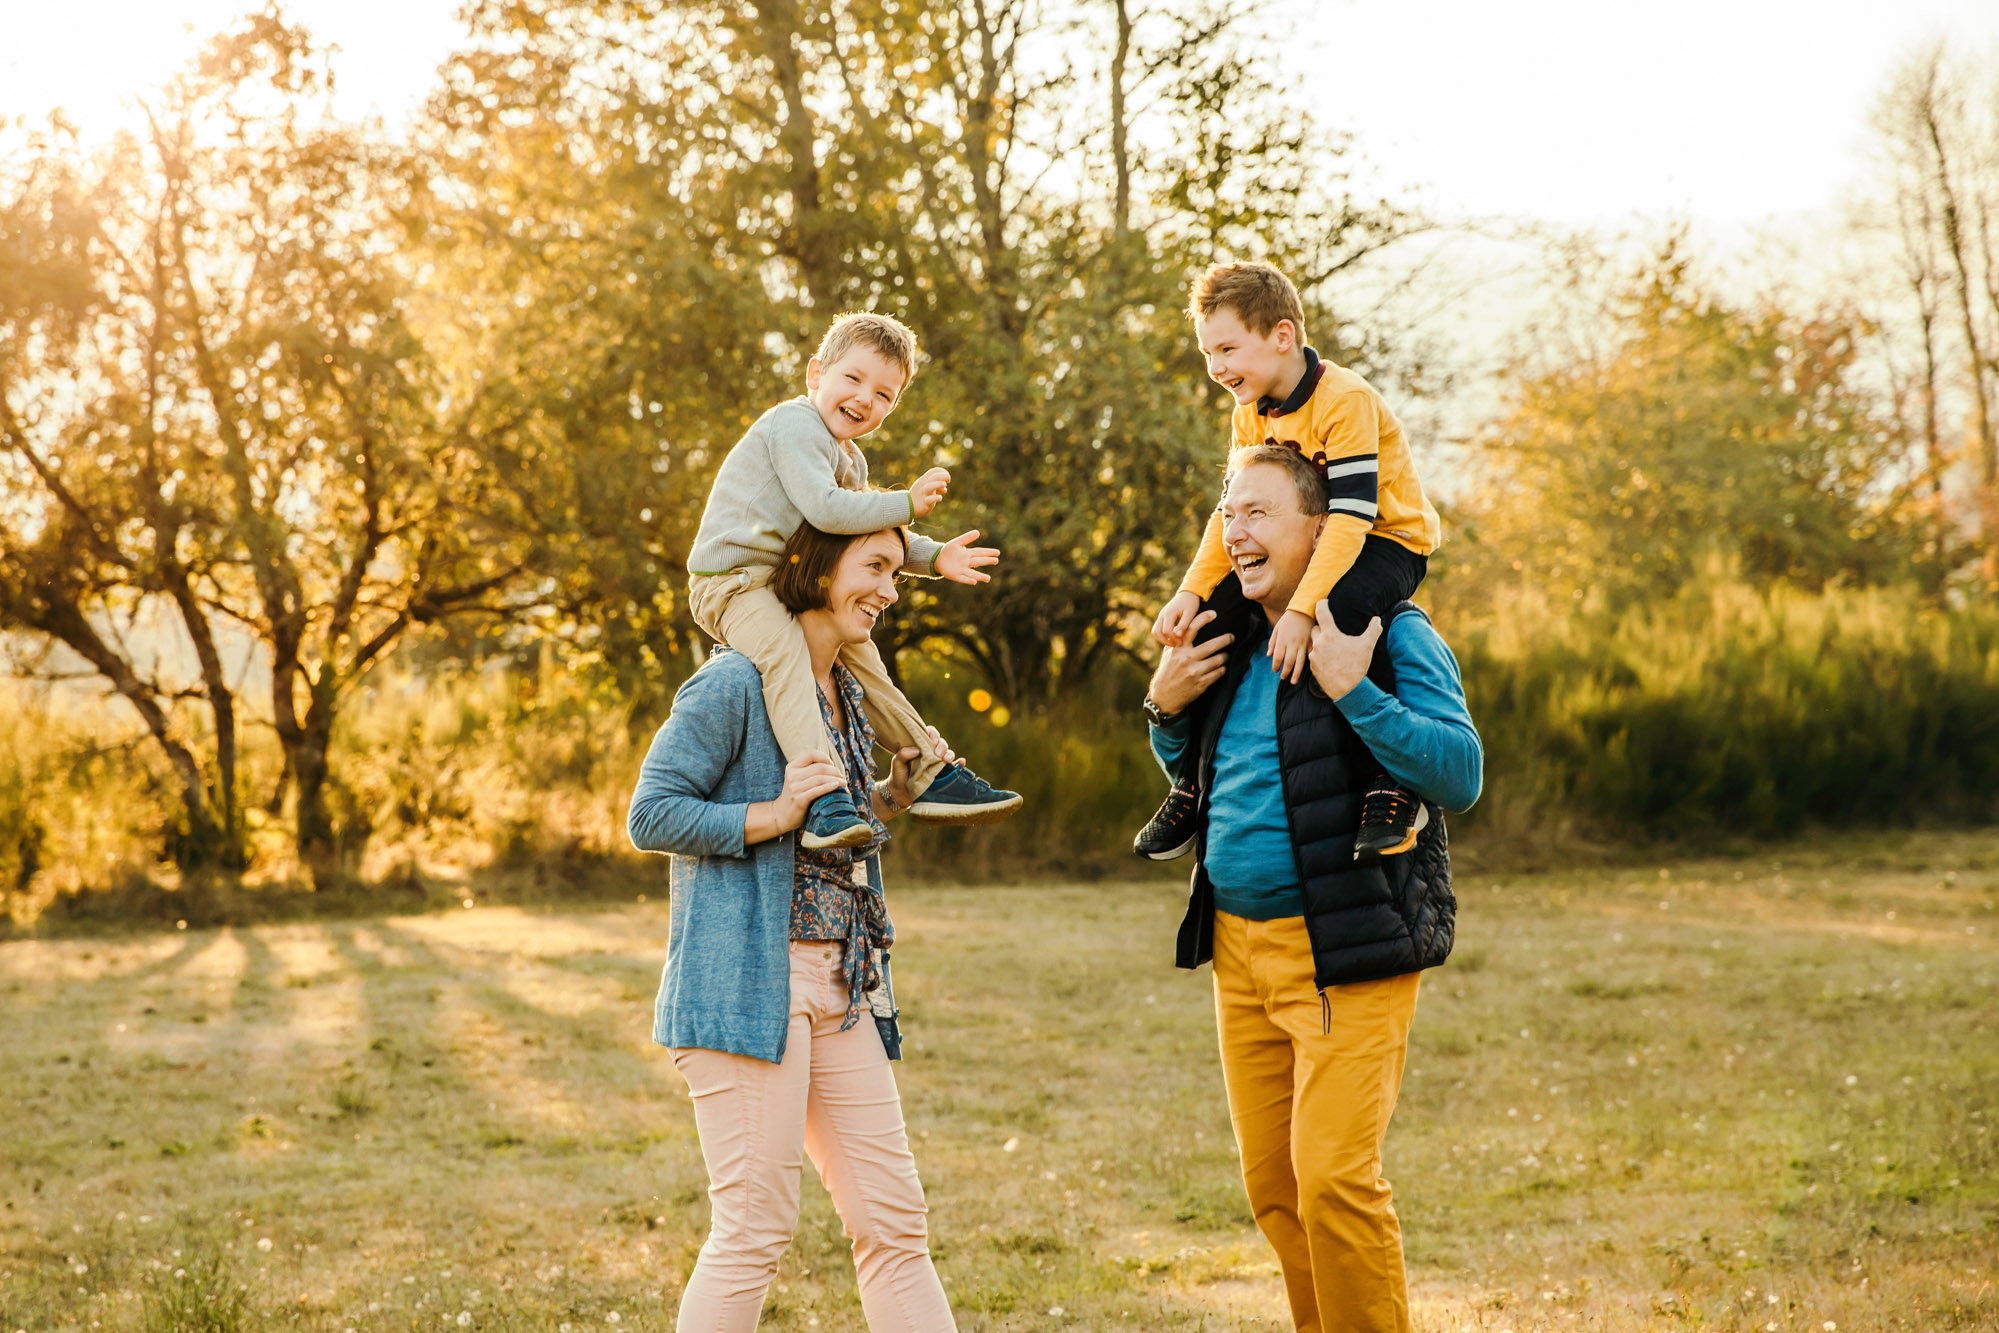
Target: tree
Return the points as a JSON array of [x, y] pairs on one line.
[[734, 175], [104, 512], [1697, 429], [1936, 125], [213, 400]]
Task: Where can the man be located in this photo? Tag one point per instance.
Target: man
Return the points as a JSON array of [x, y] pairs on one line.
[[1317, 958]]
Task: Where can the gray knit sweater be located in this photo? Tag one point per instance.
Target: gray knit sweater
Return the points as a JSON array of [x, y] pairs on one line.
[[786, 470]]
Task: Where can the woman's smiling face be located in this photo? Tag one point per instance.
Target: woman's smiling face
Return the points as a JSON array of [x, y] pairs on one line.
[[863, 585]]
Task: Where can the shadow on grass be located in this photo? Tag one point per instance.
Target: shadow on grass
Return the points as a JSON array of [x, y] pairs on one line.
[[141, 903], [571, 880]]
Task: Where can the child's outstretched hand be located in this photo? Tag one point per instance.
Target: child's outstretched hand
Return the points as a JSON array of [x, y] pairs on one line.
[[1176, 619], [962, 562], [1291, 645], [928, 490]]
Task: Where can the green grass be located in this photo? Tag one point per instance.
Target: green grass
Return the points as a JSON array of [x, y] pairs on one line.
[[1722, 1095]]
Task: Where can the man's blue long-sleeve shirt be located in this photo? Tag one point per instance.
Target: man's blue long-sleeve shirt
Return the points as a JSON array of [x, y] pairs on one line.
[[1422, 734]]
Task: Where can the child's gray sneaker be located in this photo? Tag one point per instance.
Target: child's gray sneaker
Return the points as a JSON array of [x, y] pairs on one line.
[[960, 796]]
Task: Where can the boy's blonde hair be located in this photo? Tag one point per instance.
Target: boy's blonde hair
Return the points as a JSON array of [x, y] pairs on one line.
[[884, 333], [1258, 293]]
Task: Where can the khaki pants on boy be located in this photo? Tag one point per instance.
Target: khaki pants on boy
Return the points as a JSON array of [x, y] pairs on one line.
[[739, 609], [1310, 1101]]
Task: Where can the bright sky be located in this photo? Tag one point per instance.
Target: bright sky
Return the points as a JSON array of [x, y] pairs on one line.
[[89, 56], [1588, 111], [1572, 111]]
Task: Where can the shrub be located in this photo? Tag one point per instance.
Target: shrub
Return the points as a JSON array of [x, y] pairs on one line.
[[1729, 711], [1722, 712]]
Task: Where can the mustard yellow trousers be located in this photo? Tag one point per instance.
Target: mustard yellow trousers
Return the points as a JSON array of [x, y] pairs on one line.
[[1311, 1086]]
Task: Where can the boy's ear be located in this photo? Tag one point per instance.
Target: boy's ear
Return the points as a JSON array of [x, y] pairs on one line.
[[1285, 335], [812, 375]]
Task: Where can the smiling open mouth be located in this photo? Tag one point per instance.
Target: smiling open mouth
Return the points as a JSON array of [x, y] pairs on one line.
[[1245, 563], [873, 613], [851, 415]]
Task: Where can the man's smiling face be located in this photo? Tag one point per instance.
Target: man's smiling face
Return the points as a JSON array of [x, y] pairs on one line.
[[1268, 535], [856, 392], [1246, 363]]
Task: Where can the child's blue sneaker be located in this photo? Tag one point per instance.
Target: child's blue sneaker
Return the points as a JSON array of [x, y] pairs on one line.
[[832, 821], [960, 796]]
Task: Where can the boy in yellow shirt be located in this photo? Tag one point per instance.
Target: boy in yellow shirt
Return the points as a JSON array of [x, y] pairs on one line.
[[1380, 528]]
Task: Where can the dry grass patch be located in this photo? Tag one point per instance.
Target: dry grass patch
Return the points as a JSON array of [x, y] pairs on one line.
[[1653, 1097]]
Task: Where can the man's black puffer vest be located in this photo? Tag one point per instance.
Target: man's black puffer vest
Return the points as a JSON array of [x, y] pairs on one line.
[[1366, 922]]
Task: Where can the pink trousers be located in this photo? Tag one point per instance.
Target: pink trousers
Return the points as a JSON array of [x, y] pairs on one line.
[[834, 1097]]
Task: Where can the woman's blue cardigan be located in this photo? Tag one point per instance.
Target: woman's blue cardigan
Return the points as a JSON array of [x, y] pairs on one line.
[[727, 983]]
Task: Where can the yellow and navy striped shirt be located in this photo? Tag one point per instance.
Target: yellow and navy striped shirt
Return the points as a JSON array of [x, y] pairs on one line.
[[1341, 423]]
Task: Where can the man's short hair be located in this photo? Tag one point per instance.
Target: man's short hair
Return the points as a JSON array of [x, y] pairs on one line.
[[1258, 293], [886, 334], [1308, 481], [805, 566]]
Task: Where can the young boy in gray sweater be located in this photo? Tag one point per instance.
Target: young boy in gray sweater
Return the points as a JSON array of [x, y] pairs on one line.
[[799, 464]]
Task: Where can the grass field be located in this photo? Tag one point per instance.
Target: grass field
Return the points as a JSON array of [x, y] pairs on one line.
[[1747, 1094]]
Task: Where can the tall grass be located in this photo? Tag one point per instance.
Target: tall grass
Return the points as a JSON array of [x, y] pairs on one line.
[[1083, 767], [1725, 712], [78, 807], [200, 1293], [1736, 712], [506, 767]]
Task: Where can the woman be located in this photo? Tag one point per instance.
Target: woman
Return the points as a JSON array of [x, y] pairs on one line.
[[777, 959]]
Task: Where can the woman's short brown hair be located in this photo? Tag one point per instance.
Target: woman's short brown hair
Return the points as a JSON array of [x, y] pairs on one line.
[[805, 566]]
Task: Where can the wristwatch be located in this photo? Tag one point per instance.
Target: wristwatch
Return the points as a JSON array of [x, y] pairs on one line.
[[895, 807], [1158, 716]]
